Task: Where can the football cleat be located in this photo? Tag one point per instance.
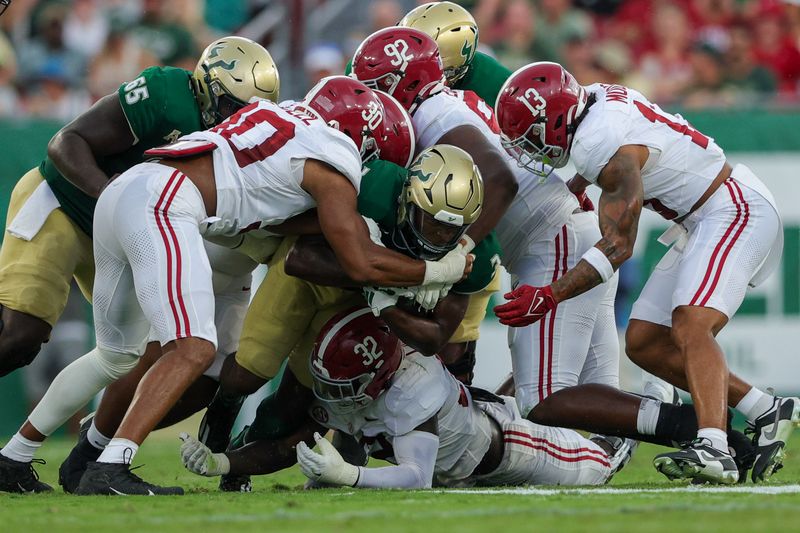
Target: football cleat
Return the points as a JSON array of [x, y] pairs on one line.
[[743, 452], [20, 477], [116, 479], [235, 483], [770, 432], [73, 467], [620, 451], [698, 461]]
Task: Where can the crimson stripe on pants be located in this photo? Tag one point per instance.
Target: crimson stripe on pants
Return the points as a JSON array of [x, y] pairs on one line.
[[713, 259], [519, 434], [543, 355], [731, 187], [557, 455], [160, 210], [178, 258]]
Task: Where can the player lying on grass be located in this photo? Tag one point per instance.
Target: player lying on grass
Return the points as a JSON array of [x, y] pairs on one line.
[[396, 147], [579, 346], [49, 230], [727, 236], [407, 408]]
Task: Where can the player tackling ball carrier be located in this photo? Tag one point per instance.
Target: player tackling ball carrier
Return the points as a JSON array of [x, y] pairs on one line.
[[726, 234]]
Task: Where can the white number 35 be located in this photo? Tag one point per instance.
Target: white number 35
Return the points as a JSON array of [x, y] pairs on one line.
[[368, 350], [136, 90]]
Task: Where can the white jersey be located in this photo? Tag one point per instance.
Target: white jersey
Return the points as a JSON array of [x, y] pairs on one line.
[[258, 165], [541, 206], [682, 164], [421, 389]]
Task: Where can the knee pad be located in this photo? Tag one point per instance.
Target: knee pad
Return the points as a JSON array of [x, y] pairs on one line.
[[113, 364]]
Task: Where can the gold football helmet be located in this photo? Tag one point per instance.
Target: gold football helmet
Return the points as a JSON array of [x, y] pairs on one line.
[[454, 30], [231, 71], [441, 198]]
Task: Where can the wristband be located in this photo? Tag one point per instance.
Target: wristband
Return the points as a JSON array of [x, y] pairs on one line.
[[599, 262]]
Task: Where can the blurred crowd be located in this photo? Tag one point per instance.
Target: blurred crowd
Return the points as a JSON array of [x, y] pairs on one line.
[[58, 56]]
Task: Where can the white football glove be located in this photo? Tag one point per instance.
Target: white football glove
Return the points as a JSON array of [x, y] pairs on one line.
[[450, 268], [197, 458], [327, 466], [379, 298], [428, 296]]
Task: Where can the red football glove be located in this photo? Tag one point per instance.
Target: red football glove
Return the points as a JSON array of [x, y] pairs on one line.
[[584, 201], [528, 305]]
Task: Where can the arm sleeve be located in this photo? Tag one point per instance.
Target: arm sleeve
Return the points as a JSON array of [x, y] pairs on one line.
[[486, 77], [415, 453]]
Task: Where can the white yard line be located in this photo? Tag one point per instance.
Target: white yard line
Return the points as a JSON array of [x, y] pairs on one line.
[[534, 491]]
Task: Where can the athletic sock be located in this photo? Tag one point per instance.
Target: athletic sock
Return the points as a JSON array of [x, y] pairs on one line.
[[755, 403], [97, 439], [20, 449], [120, 451], [676, 425], [717, 437], [647, 419]]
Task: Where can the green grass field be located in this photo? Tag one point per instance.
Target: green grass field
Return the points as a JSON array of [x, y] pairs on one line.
[[638, 499]]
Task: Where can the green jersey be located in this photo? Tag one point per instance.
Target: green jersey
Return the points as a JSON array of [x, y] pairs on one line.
[[485, 77], [160, 106], [378, 199]]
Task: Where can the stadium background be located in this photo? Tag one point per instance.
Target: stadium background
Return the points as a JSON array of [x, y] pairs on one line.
[[732, 67]]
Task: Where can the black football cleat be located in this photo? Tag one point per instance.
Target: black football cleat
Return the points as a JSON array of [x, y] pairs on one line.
[[235, 483], [83, 453], [116, 479], [742, 451], [21, 478]]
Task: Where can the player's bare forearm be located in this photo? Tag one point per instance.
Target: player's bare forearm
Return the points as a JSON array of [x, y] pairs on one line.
[[618, 213], [577, 184], [269, 456], [362, 260], [427, 333], [101, 131], [312, 259], [499, 182]]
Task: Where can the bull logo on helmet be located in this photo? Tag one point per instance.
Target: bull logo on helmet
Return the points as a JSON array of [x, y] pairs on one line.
[[533, 101]]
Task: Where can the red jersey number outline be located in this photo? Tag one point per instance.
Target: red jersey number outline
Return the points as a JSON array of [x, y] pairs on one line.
[[247, 119]]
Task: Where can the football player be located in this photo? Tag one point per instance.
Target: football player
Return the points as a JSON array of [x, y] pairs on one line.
[[542, 233], [406, 408], [49, 224], [726, 235]]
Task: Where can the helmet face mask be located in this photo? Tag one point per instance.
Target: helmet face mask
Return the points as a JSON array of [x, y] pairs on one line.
[[343, 396], [431, 237], [4, 5]]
